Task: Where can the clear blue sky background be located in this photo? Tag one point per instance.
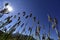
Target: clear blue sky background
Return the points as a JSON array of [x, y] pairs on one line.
[[39, 8]]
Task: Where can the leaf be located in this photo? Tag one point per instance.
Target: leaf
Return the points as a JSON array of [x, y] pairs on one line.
[[18, 18], [19, 23], [8, 18], [18, 13], [49, 18], [6, 23], [4, 11], [30, 15], [53, 26], [34, 18], [26, 17], [13, 29], [24, 13], [22, 25], [6, 4], [30, 29], [43, 37], [38, 22], [14, 16], [10, 21], [37, 31], [55, 21]]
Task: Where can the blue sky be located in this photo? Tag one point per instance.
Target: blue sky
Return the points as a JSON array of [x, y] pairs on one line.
[[39, 8]]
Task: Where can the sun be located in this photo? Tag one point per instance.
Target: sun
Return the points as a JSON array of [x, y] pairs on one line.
[[9, 8]]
